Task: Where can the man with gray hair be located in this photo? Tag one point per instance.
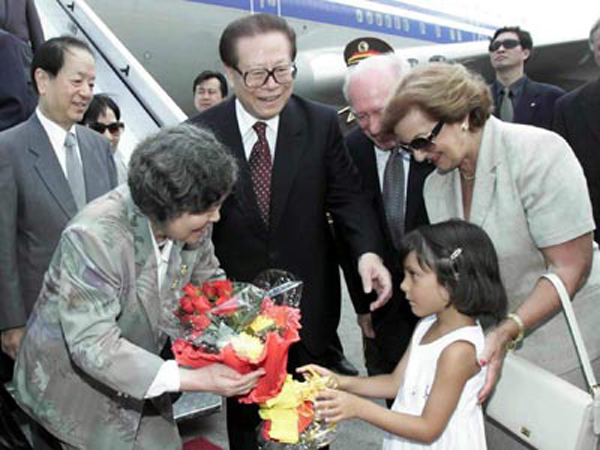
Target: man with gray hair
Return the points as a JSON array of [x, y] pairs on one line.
[[394, 181], [576, 119]]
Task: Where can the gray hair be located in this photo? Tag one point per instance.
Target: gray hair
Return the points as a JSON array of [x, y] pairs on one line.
[[394, 62], [180, 169]]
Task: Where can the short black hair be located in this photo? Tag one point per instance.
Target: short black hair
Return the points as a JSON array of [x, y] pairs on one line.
[[465, 262], [50, 56], [524, 37], [253, 25], [180, 169], [207, 75], [98, 106]]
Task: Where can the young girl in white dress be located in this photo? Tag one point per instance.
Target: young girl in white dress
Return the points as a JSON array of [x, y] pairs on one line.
[[452, 281]]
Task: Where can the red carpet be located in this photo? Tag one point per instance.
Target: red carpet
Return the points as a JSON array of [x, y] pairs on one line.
[[200, 444]]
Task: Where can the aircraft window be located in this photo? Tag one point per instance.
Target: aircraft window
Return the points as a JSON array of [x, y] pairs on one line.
[[397, 23], [459, 35], [406, 24], [438, 31], [422, 27], [379, 19], [359, 16], [369, 17], [388, 21], [452, 34], [272, 2]]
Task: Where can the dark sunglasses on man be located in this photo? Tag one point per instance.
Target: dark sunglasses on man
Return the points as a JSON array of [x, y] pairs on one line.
[[506, 43], [424, 144], [113, 128]]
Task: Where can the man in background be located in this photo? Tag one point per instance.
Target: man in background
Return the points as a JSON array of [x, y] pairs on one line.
[[577, 119], [210, 88], [49, 169], [394, 182], [517, 98], [104, 116], [16, 101]]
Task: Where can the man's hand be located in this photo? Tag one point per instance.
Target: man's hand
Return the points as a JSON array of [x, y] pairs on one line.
[[365, 322], [376, 277], [11, 340], [219, 379]]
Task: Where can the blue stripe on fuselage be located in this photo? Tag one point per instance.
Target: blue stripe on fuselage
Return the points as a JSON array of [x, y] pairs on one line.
[[361, 18]]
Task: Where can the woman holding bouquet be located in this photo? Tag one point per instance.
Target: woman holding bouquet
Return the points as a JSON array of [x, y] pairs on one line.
[[88, 369]]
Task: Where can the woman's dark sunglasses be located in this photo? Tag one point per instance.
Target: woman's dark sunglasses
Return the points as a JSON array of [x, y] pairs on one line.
[[424, 143], [113, 127], [506, 43]]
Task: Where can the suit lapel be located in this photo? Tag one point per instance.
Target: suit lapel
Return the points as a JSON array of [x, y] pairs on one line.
[[485, 181], [146, 269], [289, 151], [591, 106], [87, 148], [527, 103], [243, 193], [48, 168]]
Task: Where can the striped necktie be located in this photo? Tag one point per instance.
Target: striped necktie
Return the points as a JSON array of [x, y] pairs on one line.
[[393, 196]]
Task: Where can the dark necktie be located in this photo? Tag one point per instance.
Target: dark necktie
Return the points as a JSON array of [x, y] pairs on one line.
[[393, 196], [74, 171], [260, 168], [507, 112]]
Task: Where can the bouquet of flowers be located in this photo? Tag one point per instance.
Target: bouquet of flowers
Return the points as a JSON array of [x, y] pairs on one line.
[[239, 325], [248, 326], [289, 418]]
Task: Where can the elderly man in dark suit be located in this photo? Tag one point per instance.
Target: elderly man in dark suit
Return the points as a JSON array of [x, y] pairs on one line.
[[577, 119], [518, 98], [367, 88], [49, 168], [294, 168]]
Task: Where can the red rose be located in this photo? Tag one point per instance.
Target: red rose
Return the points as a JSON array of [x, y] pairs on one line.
[[186, 305], [199, 321], [201, 304]]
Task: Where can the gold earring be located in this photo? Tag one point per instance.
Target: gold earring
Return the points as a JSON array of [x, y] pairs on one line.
[[464, 127]]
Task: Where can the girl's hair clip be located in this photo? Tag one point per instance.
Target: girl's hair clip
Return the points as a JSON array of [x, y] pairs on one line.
[[455, 254]]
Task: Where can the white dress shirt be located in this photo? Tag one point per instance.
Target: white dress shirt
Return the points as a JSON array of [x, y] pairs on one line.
[[57, 135], [249, 137]]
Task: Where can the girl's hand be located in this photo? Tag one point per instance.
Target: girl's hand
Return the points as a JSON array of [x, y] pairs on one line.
[[492, 358], [309, 368], [333, 405]]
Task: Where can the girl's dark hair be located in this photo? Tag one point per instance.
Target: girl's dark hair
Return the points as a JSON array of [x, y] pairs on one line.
[[464, 260]]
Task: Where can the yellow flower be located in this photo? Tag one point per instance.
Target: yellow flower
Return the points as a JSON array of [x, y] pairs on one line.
[[248, 346], [261, 323]]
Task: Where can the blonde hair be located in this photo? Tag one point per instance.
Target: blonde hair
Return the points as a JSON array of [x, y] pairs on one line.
[[443, 91]]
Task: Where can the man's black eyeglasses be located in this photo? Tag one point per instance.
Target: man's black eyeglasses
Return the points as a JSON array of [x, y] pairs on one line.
[[424, 143], [113, 127], [506, 43], [255, 78]]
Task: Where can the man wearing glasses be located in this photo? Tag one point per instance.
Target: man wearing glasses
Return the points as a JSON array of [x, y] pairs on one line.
[[517, 98], [294, 169], [367, 88]]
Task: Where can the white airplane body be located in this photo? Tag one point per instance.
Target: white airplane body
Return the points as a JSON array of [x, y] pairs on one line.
[[176, 39]]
